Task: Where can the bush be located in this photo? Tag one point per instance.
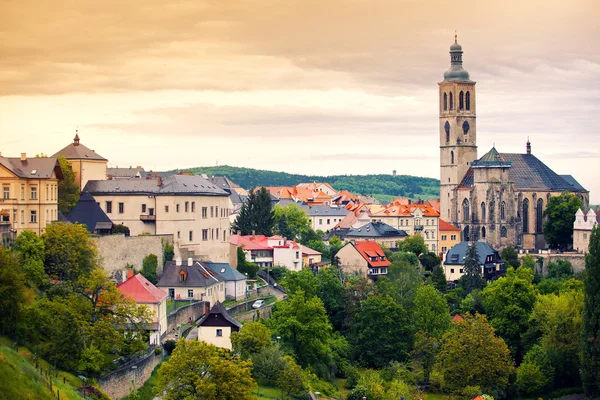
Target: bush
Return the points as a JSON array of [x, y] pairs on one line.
[[352, 378], [277, 273], [158, 351], [169, 346]]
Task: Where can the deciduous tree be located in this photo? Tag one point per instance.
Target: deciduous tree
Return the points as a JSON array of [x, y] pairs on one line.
[[12, 293], [510, 256], [590, 361], [560, 215], [69, 250], [535, 375], [414, 244], [68, 190], [30, 247], [431, 313], [149, 266], [252, 338], [296, 219]]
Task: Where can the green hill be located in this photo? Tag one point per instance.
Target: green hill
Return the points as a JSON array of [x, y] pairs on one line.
[[383, 187]]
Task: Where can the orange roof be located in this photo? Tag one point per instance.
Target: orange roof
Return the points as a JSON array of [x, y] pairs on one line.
[[457, 318], [400, 201], [434, 204], [445, 226], [141, 290], [281, 192], [372, 249], [407, 211]]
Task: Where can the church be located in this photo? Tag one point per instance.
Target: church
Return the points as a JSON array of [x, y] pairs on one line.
[[499, 198]]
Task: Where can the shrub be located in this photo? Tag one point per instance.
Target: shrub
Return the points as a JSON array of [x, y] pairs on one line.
[[158, 351], [169, 346]]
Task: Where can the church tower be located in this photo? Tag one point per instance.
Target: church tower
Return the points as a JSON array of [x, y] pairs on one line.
[[458, 131]]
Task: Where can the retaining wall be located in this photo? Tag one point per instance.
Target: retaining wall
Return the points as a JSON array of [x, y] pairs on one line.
[[254, 315], [118, 384], [182, 315], [576, 259]]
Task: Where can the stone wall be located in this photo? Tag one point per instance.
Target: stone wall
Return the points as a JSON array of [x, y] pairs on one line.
[[182, 315], [118, 383], [576, 259], [117, 251], [254, 315]]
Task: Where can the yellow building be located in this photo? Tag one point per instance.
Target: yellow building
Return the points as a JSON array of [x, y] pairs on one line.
[[29, 194], [85, 163], [449, 236]]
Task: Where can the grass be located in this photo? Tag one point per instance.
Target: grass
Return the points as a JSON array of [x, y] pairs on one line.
[[268, 392]]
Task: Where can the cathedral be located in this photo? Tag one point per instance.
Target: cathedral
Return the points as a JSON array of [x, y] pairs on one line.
[[499, 198]]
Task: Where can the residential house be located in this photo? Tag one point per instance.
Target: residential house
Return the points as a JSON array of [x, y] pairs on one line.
[[191, 281], [125, 173], [85, 163], [235, 281], [383, 234], [143, 292], [582, 228], [363, 259], [271, 251], [324, 217], [310, 257], [216, 327], [87, 212], [29, 194], [449, 235], [492, 265], [190, 208], [413, 218]]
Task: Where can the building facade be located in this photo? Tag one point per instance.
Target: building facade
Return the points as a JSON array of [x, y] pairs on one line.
[[582, 229], [449, 237], [501, 197], [86, 164]]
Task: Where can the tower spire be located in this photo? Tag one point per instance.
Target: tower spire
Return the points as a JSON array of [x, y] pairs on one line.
[[76, 139], [455, 37]]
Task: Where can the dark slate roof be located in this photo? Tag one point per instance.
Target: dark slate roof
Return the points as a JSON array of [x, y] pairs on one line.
[[126, 172], [225, 270], [172, 185], [218, 309], [197, 276], [89, 213], [325, 211], [339, 232], [32, 168], [527, 172], [77, 151], [456, 255], [62, 218], [221, 181], [375, 230]]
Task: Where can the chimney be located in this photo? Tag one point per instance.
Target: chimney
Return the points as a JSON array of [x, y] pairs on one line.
[[129, 274], [178, 261], [409, 202], [253, 232], [23, 156], [159, 181], [190, 262], [124, 275], [528, 147]]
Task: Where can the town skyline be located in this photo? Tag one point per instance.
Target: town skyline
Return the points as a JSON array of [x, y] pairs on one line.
[[188, 85]]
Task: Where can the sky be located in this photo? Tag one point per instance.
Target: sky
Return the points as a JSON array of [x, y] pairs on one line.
[[302, 86]]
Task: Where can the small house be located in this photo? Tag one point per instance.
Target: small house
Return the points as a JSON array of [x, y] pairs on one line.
[[216, 327]]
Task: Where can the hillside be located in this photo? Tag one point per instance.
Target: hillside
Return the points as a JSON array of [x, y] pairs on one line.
[[383, 187]]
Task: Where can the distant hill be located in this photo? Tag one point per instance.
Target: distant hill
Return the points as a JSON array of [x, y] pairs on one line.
[[382, 187]]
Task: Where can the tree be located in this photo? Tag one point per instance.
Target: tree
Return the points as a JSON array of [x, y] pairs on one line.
[[430, 260], [267, 365], [472, 270], [296, 220], [438, 279], [535, 374], [168, 252], [560, 216], [472, 355], [252, 338], [12, 293], [431, 313], [30, 247], [302, 281], [246, 267], [283, 228], [508, 302], [120, 229], [510, 257], [590, 360], [384, 331], [68, 190], [330, 290], [561, 269], [256, 215], [335, 244], [198, 370], [69, 251], [290, 379], [149, 266], [414, 244]]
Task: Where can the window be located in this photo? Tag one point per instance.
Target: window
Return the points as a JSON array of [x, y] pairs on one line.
[[171, 292], [460, 270], [143, 208], [465, 210], [219, 332], [217, 211], [6, 193], [503, 211], [193, 206], [297, 254], [585, 236], [186, 206], [468, 101], [22, 192], [177, 207], [204, 212], [178, 234], [466, 127], [526, 216], [452, 237], [539, 216], [444, 237], [109, 207], [166, 209], [503, 232], [33, 216], [482, 212], [466, 232], [451, 157], [451, 270], [33, 193], [483, 232], [444, 249], [22, 216], [328, 221], [451, 102], [224, 235], [320, 221], [461, 100], [445, 101], [447, 129], [190, 293], [121, 208], [191, 235], [217, 235], [205, 234], [212, 210]]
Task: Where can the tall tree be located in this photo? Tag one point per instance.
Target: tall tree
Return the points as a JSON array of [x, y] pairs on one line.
[[438, 279], [12, 292], [535, 374], [414, 244], [430, 260], [256, 215], [70, 251], [68, 190], [149, 266], [590, 362], [252, 338], [296, 219], [472, 278], [31, 249], [510, 257], [560, 216]]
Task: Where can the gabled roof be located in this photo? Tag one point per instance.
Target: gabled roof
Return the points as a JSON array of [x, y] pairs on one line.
[[77, 151], [400, 210], [371, 249], [89, 213], [375, 230], [456, 255], [172, 185], [225, 270], [137, 172], [195, 275], [32, 168], [141, 290], [307, 251], [445, 226], [325, 211], [216, 310]]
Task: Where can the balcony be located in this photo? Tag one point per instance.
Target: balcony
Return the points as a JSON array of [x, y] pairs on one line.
[[147, 218], [418, 227]]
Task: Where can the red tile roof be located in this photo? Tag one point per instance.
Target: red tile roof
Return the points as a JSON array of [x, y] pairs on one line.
[[372, 249], [141, 290], [457, 318], [445, 226]]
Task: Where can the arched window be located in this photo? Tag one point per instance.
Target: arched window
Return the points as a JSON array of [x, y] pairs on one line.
[[503, 211], [539, 216], [466, 234], [465, 207], [466, 127], [451, 157], [526, 216], [483, 232], [451, 101], [468, 101], [503, 232], [445, 101], [482, 212], [461, 100], [492, 210], [447, 129]]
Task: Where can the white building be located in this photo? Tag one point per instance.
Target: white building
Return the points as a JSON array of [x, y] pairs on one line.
[[582, 228]]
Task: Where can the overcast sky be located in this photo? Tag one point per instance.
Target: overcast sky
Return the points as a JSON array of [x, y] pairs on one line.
[[304, 86]]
